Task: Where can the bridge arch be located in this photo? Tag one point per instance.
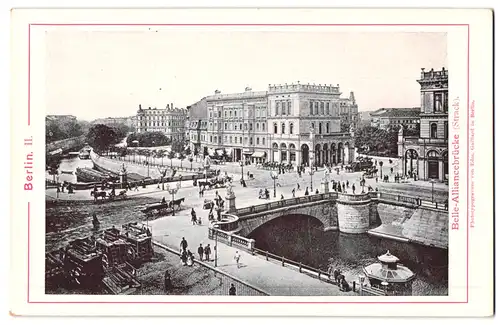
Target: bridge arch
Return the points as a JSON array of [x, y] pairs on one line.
[[283, 218]]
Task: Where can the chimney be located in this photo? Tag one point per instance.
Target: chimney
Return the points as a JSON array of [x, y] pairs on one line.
[[171, 105], [168, 106], [140, 106]]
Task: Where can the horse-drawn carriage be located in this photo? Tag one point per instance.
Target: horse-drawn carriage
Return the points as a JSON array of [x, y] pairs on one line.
[[215, 182], [110, 196], [163, 208]]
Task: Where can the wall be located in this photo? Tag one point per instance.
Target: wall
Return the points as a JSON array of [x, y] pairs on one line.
[[353, 213]]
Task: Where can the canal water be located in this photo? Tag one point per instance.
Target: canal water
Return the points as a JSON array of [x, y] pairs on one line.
[[303, 239], [70, 165]]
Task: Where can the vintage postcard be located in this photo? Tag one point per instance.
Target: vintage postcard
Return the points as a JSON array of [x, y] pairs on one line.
[[328, 162]]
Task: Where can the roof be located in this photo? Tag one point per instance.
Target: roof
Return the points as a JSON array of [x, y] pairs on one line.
[[397, 112]]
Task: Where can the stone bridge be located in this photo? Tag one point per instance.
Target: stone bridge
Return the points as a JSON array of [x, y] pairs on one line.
[[380, 214]]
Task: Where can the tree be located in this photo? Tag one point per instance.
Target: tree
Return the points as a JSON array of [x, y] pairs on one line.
[[52, 165], [161, 154], [148, 139], [377, 141], [101, 137], [187, 151], [177, 146], [171, 155]]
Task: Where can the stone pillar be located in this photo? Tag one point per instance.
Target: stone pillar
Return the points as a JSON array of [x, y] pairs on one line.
[[298, 157], [440, 171], [324, 186], [231, 202], [354, 213]]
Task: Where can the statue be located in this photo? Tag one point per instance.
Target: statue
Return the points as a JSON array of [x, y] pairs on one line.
[[230, 191], [326, 178], [351, 129], [400, 132], [124, 169], [206, 161]]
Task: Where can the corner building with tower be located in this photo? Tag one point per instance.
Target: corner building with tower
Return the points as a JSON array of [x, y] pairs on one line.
[[426, 155]]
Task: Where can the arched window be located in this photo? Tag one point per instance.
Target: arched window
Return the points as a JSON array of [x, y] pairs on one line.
[[264, 127], [327, 127], [246, 126], [291, 128], [225, 126], [320, 128], [251, 126], [241, 126], [230, 113], [275, 128], [251, 140], [434, 132], [282, 128]]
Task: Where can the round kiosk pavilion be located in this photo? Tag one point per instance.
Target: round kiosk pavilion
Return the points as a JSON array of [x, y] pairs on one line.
[[395, 279]]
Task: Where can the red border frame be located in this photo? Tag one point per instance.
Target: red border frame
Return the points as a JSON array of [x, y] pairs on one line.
[[255, 302]]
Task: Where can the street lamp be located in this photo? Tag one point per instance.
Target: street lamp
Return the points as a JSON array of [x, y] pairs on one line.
[[311, 172], [216, 227], [241, 165], [274, 177], [206, 165], [172, 192], [432, 182]]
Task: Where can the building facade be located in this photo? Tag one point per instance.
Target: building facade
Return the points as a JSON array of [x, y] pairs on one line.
[[385, 118], [427, 155], [112, 121], [296, 124], [170, 121]]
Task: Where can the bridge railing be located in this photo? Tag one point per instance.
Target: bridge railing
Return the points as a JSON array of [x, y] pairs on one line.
[[232, 240], [412, 200], [285, 203]]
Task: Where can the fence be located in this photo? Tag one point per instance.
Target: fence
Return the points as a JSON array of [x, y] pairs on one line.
[[411, 200], [225, 280], [285, 203], [230, 239]]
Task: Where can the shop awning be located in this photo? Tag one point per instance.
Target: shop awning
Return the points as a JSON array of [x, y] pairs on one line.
[[259, 154]]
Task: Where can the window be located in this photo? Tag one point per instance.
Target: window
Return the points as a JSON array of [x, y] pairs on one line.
[[258, 140], [230, 139], [211, 139], [289, 108], [251, 126], [225, 114], [210, 114], [241, 126], [246, 126], [258, 126], [220, 113], [263, 141], [291, 128], [277, 108], [438, 102], [282, 128], [313, 128], [316, 108], [246, 140], [264, 127], [311, 108], [320, 128], [251, 141], [433, 130], [283, 109], [225, 138], [327, 108], [225, 126], [230, 113], [322, 108], [446, 130], [241, 140], [275, 128], [327, 127]]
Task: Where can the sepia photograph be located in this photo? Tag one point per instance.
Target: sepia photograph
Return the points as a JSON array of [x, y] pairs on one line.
[[179, 171]]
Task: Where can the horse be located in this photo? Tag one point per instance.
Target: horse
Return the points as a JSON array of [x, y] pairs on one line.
[[177, 203], [96, 195]]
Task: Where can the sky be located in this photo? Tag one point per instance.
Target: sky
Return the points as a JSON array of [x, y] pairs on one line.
[[96, 74]]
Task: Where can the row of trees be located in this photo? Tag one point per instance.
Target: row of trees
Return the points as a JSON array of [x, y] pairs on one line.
[[64, 128], [380, 142], [159, 154]]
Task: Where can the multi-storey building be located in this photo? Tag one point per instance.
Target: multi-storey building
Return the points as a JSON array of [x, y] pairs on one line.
[[427, 155], [113, 121], [170, 121], [293, 123], [384, 118]]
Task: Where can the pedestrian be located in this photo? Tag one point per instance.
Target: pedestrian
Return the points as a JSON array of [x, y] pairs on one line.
[[343, 187], [193, 217], [237, 259], [200, 252], [298, 187], [219, 216], [282, 197], [232, 290], [307, 191], [347, 183], [184, 257], [167, 281], [353, 189], [317, 191], [293, 192], [207, 252], [184, 244]]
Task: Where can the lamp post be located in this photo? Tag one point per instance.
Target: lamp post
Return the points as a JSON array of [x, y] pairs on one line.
[[216, 227], [241, 165], [311, 172], [274, 177], [206, 165], [172, 192], [432, 182]]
